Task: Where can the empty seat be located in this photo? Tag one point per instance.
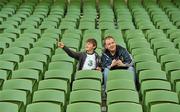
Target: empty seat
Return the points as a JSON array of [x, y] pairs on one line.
[[120, 74], [88, 74], [59, 74], [120, 84], [36, 57], [43, 107], [154, 85], [9, 107], [8, 66], [32, 65], [119, 96], [172, 66], [54, 84], [53, 96], [83, 107], [151, 75], [125, 106], [165, 107], [85, 96], [86, 84], [4, 76], [18, 96], [19, 84], [16, 50], [159, 96], [61, 65], [147, 65]]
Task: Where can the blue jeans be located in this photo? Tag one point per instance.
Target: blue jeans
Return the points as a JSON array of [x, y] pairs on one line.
[[106, 72]]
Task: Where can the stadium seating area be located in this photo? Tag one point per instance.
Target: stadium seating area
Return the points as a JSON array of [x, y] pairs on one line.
[[36, 76]]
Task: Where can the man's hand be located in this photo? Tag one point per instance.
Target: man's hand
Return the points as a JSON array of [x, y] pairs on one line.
[[114, 63], [60, 44], [120, 63]]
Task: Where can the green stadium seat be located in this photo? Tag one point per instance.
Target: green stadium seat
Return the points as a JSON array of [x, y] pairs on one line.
[[88, 74], [152, 75], [29, 35], [32, 65], [29, 74], [8, 66], [120, 74], [37, 57], [43, 107], [86, 84], [159, 96], [120, 84], [53, 96], [154, 85], [8, 107], [125, 106], [62, 57], [166, 51], [59, 74], [143, 58], [165, 107], [19, 84], [16, 50], [54, 84], [17, 97], [119, 96], [83, 107], [168, 58], [147, 65], [85, 96], [140, 51], [41, 50], [174, 77], [172, 66], [10, 57], [61, 65], [3, 45]]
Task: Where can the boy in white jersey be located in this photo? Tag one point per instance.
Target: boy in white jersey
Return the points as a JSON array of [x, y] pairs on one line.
[[89, 59]]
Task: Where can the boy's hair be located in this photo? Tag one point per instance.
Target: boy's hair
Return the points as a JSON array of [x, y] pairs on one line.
[[106, 38], [93, 41]]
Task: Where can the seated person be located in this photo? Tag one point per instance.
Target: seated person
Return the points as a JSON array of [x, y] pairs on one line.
[[114, 57], [89, 59]]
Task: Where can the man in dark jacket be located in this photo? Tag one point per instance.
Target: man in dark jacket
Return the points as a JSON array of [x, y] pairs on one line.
[[89, 59], [114, 57]]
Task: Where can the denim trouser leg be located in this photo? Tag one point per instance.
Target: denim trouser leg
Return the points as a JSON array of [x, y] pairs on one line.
[[105, 74], [133, 71], [131, 68]]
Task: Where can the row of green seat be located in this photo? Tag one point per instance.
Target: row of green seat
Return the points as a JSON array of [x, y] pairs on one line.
[[86, 92]]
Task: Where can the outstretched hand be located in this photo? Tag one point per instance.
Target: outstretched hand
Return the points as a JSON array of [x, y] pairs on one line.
[[60, 44]]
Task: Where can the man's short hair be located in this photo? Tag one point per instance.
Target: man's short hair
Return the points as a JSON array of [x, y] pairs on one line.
[[106, 38], [93, 41]]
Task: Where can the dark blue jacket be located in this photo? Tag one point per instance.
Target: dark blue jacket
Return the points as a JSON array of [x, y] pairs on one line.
[[121, 53]]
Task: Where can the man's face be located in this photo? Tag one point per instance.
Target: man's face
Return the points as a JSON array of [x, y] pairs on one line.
[[110, 44], [89, 46]]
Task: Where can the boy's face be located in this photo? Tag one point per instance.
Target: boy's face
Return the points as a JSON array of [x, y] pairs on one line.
[[110, 44], [89, 46]]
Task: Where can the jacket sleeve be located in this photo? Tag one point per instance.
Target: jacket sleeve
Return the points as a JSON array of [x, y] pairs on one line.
[[106, 61], [99, 62], [71, 53], [126, 57]]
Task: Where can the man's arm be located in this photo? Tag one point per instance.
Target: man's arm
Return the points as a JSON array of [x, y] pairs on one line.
[[70, 52], [107, 62], [127, 60]]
